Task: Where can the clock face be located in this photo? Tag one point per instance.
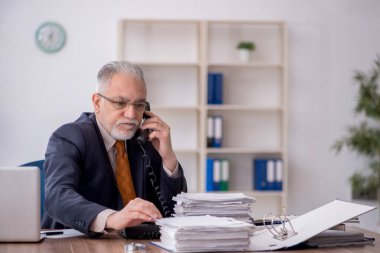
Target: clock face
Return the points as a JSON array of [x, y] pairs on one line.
[[50, 37]]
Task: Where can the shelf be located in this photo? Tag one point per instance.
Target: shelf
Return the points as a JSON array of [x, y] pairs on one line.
[[245, 22], [167, 64], [252, 193], [251, 130], [160, 41], [167, 86], [175, 107], [251, 87], [224, 37], [248, 65], [242, 108], [243, 151], [176, 57]]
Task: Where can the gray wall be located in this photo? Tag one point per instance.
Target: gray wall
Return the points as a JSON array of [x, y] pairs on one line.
[[328, 40]]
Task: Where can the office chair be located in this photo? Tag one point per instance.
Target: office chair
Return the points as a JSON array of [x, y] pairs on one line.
[[40, 165]]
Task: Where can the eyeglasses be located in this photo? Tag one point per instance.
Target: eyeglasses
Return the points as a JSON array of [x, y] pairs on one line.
[[121, 104]]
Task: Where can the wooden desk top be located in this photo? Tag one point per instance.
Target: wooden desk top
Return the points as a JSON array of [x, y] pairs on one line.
[[113, 243]]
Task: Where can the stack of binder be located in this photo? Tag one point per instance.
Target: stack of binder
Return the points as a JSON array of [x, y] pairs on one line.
[[214, 131], [312, 228], [217, 174], [215, 88], [203, 234], [334, 238], [267, 174], [234, 205]]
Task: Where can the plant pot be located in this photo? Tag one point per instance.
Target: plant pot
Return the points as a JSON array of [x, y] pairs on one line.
[[244, 55]]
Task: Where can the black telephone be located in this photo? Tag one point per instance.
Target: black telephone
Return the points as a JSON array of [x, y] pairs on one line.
[[147, 230], [143, 137]]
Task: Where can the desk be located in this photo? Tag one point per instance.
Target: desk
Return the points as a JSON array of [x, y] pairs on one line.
[[113, 243]]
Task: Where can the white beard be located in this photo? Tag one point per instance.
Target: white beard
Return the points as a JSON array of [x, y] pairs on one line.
[[121, 135]]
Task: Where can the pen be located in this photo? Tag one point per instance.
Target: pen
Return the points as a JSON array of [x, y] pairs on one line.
[[53, 233]]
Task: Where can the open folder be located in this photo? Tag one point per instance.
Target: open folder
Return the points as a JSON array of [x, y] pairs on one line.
[[308, 225], [301, 228]]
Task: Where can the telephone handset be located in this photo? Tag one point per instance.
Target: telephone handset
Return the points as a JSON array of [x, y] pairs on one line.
[[147, 230], [143, 137]]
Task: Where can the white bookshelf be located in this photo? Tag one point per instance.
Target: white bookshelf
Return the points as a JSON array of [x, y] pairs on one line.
[[176, 56]]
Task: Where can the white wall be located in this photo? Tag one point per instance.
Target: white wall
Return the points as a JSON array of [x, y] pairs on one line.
[[328, 40]]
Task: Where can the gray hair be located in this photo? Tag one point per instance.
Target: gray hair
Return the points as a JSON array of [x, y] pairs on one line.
[[117, 67]]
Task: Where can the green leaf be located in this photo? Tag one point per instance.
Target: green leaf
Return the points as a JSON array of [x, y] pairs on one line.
[[364, 138]]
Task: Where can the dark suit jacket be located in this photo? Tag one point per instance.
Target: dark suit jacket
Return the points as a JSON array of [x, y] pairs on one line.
[[80, 182]]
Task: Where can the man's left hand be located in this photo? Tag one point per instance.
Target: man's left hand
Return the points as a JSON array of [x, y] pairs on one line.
[[160, 137]]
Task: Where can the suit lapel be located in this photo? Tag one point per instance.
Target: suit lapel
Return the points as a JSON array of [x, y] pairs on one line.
[[103, 148]]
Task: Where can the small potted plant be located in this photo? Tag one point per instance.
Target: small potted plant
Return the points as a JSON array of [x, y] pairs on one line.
[[245, 49]]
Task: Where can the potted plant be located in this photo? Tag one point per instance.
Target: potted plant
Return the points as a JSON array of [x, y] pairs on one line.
[[364, 138], [245, 49]]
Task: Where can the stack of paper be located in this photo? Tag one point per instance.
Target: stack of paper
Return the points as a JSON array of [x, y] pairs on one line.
[[234, 205], [331, 238], [203, 233]]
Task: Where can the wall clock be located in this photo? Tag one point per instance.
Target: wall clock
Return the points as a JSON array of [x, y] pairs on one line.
[[50, 37]]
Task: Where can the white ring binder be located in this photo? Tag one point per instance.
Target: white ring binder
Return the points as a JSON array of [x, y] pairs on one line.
[[283, 224]]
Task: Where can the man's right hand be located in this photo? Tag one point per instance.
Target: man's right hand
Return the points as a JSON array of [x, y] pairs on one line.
[[134, 213]]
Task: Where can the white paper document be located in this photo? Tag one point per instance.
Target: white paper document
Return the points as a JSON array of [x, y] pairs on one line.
[[212, 197], [309, 225], [203, 234], [233, 205]]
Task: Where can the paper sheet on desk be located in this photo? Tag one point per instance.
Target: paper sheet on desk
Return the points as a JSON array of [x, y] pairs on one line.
[[202, 222], [212, 197], [233, 205], [310, 224]]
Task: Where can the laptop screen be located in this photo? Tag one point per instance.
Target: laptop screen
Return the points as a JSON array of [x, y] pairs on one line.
[[20, 204]]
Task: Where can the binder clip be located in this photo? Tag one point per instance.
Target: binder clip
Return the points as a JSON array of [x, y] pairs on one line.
[[280, 226]]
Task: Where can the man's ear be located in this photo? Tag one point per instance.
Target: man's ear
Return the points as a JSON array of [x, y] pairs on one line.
[[96, 102]]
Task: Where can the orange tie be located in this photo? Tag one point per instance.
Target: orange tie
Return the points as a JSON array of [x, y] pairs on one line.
[[123, 174]]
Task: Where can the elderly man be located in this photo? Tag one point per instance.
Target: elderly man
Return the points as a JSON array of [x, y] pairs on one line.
[[97, 174]]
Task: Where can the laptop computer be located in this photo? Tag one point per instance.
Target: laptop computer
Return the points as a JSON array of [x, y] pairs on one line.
[[20, 204]]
